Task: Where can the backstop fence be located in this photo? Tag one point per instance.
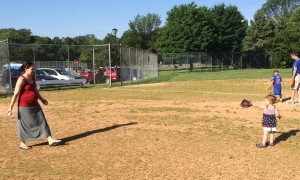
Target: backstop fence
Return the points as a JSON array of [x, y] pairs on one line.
[[129, 64]]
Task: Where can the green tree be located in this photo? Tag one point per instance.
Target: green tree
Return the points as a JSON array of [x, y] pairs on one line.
[[259, 34], [187, 29], [142, 32], [229, 28], [293, 29], [17, 52], [42, 48], [111, 39], [283, 8], [22, 36], [192, 29], [85, 53], [284, 14]]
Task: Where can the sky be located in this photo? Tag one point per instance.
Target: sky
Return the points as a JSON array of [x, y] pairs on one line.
[[71, 18]]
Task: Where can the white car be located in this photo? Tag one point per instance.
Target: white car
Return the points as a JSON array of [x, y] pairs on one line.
[[59, 73]]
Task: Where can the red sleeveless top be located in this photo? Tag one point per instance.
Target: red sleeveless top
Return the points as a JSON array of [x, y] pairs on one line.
[[28, 96]]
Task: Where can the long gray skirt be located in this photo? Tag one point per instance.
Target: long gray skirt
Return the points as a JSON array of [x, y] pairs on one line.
[[32, 124]]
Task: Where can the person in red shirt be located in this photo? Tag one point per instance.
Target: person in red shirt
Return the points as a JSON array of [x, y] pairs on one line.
[[32, 124]]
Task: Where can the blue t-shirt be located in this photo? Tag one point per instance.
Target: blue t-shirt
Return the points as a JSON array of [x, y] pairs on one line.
[[276, 84], [297, 65], [276, 79]]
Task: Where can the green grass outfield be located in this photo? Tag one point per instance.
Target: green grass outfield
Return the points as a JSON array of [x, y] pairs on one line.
[[170, 76]]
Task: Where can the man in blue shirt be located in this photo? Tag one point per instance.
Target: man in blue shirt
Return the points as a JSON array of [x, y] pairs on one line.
[[295, 77]]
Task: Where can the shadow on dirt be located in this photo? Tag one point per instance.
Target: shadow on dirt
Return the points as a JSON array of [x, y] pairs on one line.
[[65, 140], [286, 99], [285, 135]]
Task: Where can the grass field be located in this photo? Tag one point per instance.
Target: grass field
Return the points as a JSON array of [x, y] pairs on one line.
[[177, 126]]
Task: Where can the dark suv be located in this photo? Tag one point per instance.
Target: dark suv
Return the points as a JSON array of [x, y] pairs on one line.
[[5, 78]]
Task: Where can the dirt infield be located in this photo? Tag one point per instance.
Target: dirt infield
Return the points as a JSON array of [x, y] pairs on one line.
[[188, 130]]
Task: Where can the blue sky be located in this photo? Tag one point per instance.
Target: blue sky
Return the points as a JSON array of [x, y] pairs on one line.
[[70, 18]]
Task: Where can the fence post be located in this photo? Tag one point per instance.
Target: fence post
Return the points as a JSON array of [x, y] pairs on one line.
[[173, 62], [33, 53], [11, 89], [200, 55], [187, 61], [130, 68], [271, 59], [211, 64], [241, 61], [121, 72], [68, 61], [143, 69], [136, 64], [109, 59], [94, 71]]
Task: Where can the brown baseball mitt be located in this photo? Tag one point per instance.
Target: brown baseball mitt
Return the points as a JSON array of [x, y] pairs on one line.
[[246, 103], [292, 81], [269, 87]]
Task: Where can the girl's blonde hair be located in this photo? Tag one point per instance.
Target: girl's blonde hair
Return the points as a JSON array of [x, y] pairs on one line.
[[271, 98]]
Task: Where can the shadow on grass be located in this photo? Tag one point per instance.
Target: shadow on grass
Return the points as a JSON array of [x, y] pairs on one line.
[[285, 135], [58, 88], [4, 95], [65, 140]]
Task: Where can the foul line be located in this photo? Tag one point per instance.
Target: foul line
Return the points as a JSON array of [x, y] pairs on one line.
[[204, 92]]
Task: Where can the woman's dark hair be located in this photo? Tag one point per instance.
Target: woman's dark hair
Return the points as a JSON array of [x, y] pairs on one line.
[[25, 65]]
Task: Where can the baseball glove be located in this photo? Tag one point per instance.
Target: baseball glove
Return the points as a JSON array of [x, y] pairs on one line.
[[269, 87], [246, 103], [292, 81]]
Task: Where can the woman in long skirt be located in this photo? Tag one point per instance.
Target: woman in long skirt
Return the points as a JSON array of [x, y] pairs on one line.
[[32, 124]]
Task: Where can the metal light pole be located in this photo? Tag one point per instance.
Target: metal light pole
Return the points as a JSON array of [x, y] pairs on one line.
[[114, 31]]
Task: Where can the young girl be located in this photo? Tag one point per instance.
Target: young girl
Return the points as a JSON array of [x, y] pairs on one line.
[[276, 82], [269, 122]]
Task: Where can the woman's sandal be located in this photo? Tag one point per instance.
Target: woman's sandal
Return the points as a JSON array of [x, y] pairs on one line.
[[271, 144], [55, 143], [260, 145], [24, 147]]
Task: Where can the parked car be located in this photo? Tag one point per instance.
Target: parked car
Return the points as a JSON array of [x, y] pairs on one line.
[[41, 77], [92, 76], [65, 77], [110, 72], [124, 73], [15, 74], [102, 75], [60, 73]]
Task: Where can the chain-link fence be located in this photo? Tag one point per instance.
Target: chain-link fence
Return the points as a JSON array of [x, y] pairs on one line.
[[212, 61], [5, 79], [137, 64], [93, 63], [109, 64]]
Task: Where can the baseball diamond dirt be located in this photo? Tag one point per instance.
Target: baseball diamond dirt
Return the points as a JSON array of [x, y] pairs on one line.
[[176, 130]]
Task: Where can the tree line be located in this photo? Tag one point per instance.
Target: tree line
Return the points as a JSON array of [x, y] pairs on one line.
[[275, 30]]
